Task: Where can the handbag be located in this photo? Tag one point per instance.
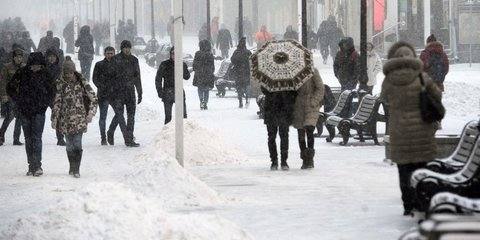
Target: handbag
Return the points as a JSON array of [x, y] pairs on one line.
[[432, 110]]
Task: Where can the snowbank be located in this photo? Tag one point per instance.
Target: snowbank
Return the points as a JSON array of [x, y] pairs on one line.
[[112, 211], [160, 176], [461, 99], [202, 146]]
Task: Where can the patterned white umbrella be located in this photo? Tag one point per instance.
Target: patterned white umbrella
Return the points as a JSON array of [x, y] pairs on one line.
[[282, 65]]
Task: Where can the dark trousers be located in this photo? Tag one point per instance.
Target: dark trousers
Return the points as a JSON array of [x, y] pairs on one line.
[[103, 108], [324, 51], [203, 94], [408, 193], [242, 93], [127, 127], [10, 114], [168, 110], [272, 130], [86, 65], [306, 138], [33, 130]]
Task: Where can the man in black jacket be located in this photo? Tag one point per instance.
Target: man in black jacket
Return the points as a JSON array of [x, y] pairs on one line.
[[32, 89], [123, 94], [165, 84], [104, 77]]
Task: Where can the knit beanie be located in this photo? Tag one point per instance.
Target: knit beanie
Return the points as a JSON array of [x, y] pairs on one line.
[[69, 65], [431, 38], [125, 44]]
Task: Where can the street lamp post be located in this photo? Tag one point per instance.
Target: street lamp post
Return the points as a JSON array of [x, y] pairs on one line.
[[304, 23], [363, 45], [123, 10], [209, 30], [135, 15], [153, 19], [240, 19], [178, 32]]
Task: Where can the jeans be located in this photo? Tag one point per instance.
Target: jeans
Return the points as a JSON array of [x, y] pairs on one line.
[[408, 193], [11, 113], [203, 94], [74, 142], [127, 127], [33, 130], [272, 130], [86, 65], [103, 107]]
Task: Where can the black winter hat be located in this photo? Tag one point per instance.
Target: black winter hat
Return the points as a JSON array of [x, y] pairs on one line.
[[125, 44], [36, 58], [17, 52], [396, 46]]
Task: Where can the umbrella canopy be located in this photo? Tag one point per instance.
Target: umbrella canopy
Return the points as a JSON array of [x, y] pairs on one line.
[[282, 65]]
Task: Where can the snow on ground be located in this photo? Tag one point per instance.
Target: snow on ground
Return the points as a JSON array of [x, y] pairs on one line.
[[142, 193]]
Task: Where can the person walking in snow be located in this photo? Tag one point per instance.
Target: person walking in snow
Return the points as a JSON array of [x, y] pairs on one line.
[[10, 107], [240, 62], [32, 89], [69, 36], [54, 68], [204, 68], [305, 116], [224, 41], [45, 42], [27, 43], [263, 36], [435, 61], [128, 79], [347, 65], [328, 36], [85, 51], [74, 107], [374, 67], [165, 85], [412, 141], [104, 77]]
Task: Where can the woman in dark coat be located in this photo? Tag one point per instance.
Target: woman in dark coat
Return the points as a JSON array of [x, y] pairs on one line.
[[412, 141], [346, 65], [85, 51], [241, 70], [204, 68]]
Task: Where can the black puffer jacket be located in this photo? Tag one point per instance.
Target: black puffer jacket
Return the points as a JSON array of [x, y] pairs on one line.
[[165, 80], [127, 75], [347, 64], [104, 78], [279, 107], [85, 45], [241, 65], [204, 66], [34, 92]]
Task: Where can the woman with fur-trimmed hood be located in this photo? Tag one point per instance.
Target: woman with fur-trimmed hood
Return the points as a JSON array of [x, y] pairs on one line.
[[74, 107], [412, 141]]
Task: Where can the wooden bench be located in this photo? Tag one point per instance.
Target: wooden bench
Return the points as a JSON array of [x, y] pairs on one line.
[[364, 121], [446, 202], [341, 109], [464, 182], [462, 152]]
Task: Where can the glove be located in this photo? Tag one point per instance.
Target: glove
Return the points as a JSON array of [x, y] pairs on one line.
[[139, 99]]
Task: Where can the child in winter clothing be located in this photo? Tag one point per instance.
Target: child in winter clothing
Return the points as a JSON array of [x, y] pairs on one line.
[[74, 107]]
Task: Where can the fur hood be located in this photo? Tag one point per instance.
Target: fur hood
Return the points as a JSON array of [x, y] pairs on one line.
[[402, 71]]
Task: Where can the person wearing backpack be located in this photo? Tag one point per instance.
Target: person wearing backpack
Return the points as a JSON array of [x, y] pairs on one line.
[[435, 61]]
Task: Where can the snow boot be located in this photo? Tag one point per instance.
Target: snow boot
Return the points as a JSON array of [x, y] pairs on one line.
[[110, 138], [30, 170], [38, 172], [17, 143], [132, 144], [77, 160], [283, 164], [71, 160], [104, 141], [303, 156], [310, 154], [61, 142], [274, 166]]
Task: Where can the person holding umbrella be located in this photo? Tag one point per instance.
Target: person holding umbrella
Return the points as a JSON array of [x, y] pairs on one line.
[[281, 68]]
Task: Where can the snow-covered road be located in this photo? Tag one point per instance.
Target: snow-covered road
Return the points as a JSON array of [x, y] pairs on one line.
[[351, 194]]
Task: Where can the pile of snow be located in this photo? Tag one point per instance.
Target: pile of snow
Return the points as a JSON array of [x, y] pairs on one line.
[[112, 211], [161, 177], [202, 146], [461, 99]]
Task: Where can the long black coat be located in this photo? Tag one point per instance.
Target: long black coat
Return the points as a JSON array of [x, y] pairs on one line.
[[85, 45], [347, 65], [127, 76], [32, 91], [279, 107], [165, 80], [204, 66], [224, 39], [241, 67], [104, 78]]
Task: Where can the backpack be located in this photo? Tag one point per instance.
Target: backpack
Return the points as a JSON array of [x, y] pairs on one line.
[[437, 68]]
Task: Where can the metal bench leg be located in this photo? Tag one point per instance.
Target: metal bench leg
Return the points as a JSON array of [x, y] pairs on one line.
[[360, 134], [373, 131]]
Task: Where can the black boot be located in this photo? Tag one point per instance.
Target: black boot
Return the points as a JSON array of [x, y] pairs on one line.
[[310, 154], [274, 166], [17, 143], [71, 161], [110, 138], [104, 142], [131, 143], [303, 156], [77, 161], [61, 142], [284, 165], [2, 139]]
